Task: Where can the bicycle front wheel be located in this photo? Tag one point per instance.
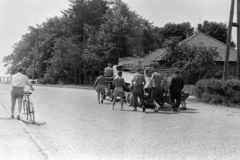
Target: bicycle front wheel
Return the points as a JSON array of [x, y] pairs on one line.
[[25, 107]]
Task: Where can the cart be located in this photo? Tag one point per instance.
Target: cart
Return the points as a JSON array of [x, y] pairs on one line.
[[165, 98]]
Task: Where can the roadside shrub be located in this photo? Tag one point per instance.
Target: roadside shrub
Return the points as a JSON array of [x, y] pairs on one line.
[[42, 81], [218, 91]]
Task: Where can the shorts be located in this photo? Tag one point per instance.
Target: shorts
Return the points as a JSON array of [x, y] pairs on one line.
[[17, 92], [100, 88], [156, 92], [109, 79], [118, 91]]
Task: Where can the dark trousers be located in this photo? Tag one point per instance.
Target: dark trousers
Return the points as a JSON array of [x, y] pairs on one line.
[[177, 97], [137, 92]]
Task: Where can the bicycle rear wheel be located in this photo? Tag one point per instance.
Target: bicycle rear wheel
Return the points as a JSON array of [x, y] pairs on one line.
[[31, 113]]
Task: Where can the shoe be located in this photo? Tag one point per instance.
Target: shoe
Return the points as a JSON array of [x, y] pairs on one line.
[[143, 108], [183, 108], [102, 101], [176, 109], [112, 108], [18, 117], [12, 116], [135, 109]]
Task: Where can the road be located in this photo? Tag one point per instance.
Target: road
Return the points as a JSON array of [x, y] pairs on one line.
[[77, 127]]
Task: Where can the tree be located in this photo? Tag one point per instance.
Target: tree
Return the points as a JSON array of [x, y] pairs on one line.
[[90, 34], [198, 58], [215, 30], [176, 30]]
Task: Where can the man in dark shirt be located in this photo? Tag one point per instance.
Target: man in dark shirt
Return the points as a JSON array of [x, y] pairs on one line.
[[176, 87]]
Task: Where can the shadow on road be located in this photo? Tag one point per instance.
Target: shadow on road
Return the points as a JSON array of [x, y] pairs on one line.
[[35, 123], [167, 110], [6, 118]]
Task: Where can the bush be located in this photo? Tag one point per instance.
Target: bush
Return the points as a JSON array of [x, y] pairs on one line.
[[42, 81], [218, 91]]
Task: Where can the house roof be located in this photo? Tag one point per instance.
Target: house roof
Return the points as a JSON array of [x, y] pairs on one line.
[[154, 56], [197, 39], [128, 60], [201, 39]]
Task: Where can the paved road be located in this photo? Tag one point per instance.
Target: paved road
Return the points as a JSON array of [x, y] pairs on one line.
[[79, 128]]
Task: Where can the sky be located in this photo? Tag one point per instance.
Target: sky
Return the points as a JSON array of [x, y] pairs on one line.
[[17, 15]]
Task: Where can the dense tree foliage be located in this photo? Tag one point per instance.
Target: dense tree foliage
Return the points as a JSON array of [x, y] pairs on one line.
[[82, 41], [185, 57], [73, 48], [215, 30]]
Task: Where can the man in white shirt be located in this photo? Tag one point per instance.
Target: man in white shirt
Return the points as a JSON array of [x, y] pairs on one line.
[[19, 81]]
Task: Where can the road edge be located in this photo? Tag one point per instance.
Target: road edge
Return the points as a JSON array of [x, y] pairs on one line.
[[42, 149]]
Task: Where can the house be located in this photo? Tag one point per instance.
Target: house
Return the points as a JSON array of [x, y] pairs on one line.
[[197, 39], [201, 39]]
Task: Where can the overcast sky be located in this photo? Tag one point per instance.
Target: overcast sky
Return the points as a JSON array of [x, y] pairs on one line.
[[17, 15]]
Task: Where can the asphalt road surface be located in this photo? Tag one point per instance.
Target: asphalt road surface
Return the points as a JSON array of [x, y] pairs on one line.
[[72, 125]]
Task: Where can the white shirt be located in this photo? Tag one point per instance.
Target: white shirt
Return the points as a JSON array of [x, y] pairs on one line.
[[20, 80]]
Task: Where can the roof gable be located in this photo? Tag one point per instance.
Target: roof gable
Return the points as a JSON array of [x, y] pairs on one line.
[[201, 39]]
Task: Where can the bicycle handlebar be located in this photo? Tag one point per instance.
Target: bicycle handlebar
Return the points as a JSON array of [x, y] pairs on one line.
[[27, 91]]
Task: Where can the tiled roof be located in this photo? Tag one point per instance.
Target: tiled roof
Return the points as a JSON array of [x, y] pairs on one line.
[[154, 56], [197, 39], [201, 39]]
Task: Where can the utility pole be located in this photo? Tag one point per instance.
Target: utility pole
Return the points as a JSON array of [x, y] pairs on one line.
[[238, 39], [232, 24], [84, 44], [35, 50], [225, 70]]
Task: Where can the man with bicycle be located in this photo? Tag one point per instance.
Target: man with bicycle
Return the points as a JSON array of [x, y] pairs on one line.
[[19, 82]]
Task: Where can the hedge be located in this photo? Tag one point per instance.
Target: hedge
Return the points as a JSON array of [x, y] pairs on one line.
[[219, 92]]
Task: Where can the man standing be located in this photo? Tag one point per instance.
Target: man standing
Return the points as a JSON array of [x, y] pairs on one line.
[[156, 81], [138, 83], [176, 87], [108, 71], [118, 82], [100, 87], [19, 81]]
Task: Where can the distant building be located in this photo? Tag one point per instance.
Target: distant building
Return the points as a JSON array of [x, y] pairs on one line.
[[201, 39], [197, 39]]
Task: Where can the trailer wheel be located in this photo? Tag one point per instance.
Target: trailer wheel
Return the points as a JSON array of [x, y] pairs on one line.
[[129, 99]]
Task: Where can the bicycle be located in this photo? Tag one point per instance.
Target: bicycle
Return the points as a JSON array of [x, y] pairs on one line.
[[28, 108]]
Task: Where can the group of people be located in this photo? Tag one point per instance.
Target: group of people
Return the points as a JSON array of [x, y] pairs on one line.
[[138, 88], [19, 81]]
